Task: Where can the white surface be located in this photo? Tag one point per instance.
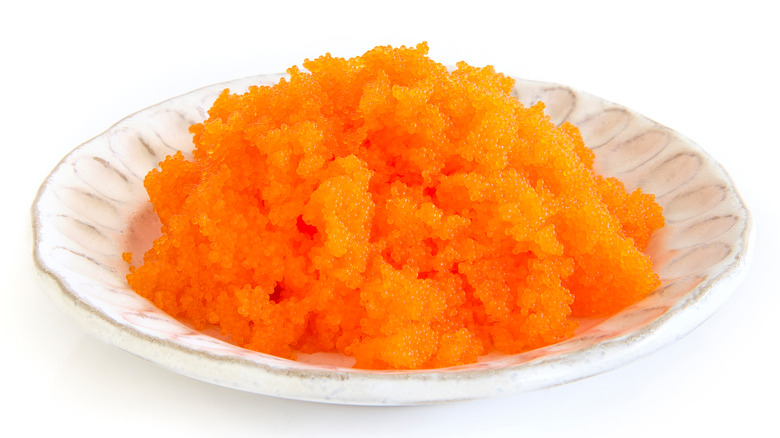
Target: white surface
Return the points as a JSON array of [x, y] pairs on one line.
[[72, 69]]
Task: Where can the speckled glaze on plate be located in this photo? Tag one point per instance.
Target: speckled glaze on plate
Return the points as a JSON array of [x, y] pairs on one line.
[[93, 207]]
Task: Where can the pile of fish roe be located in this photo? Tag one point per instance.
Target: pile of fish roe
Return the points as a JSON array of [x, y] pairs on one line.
[[394, 211]]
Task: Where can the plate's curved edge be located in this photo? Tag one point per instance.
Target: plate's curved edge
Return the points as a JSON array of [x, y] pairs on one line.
[[185, 359]]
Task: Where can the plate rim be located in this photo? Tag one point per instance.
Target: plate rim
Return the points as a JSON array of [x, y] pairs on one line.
[[707, 297]]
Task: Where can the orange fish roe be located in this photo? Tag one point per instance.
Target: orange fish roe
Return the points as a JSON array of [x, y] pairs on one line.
[[389, 209]]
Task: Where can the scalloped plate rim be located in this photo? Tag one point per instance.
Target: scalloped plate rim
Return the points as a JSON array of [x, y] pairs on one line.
[[187, 360]]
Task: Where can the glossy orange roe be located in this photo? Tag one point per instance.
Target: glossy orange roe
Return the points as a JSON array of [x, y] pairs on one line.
[[391, 210]]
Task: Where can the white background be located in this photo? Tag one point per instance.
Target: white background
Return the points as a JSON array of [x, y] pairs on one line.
[[71, 69]]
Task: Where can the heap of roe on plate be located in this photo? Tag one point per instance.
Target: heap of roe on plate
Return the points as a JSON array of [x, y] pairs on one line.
[[389, 209]]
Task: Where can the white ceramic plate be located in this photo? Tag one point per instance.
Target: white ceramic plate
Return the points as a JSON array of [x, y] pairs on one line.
[[93, 207]]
